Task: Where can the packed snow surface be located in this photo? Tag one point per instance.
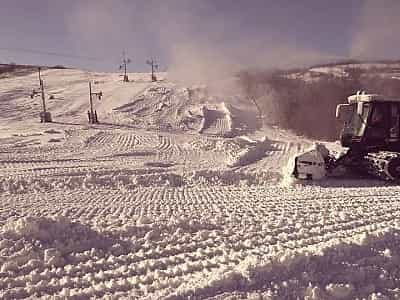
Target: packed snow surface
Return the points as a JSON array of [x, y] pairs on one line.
[[176, 194]]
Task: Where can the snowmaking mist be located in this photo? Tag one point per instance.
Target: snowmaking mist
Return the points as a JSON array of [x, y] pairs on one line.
[[305, 100], [305, 108], [206, 45]]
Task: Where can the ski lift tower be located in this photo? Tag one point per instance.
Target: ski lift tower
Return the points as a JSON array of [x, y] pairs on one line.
[[92, 114], [154, 66], [125, 62], [45, 116]]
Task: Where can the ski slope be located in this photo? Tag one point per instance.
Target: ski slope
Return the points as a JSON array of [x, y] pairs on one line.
[[177, 194]]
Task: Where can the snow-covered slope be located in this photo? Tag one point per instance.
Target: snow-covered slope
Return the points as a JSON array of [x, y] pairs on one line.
[[140, 102], [176, 194], [343, 70]]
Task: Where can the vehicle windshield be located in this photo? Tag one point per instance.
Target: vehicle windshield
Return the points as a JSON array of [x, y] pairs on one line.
[[357, 123]]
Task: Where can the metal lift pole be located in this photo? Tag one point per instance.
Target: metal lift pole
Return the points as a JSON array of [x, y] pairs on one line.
[[125, 68], [91, 103], [42, 92], [152, 69], [124, 62]]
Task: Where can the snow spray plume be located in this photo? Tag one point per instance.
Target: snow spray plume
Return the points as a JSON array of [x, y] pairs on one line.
[[207, 46], [211, 52]]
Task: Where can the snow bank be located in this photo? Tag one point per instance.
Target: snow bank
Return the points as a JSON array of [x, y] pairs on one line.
[[126, 182]]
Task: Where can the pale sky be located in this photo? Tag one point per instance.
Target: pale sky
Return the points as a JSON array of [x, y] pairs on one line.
[[267, 33]]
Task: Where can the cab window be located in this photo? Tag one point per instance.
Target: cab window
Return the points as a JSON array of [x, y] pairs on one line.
[[377, 117], [378, 122]]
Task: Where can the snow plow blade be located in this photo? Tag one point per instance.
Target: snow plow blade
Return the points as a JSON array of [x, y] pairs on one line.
[[311, 165]]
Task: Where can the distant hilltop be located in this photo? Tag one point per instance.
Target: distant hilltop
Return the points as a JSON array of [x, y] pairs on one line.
[[20, 70], [355, 62], [14, 66]]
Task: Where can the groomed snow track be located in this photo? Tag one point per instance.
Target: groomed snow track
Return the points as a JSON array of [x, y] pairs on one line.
[[116, 210], [168, 243]]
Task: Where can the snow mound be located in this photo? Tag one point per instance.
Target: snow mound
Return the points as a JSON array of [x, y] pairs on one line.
[[159, 106], [250, 152], [59, 233], [37, 228], [170, 107], [217, 120]]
